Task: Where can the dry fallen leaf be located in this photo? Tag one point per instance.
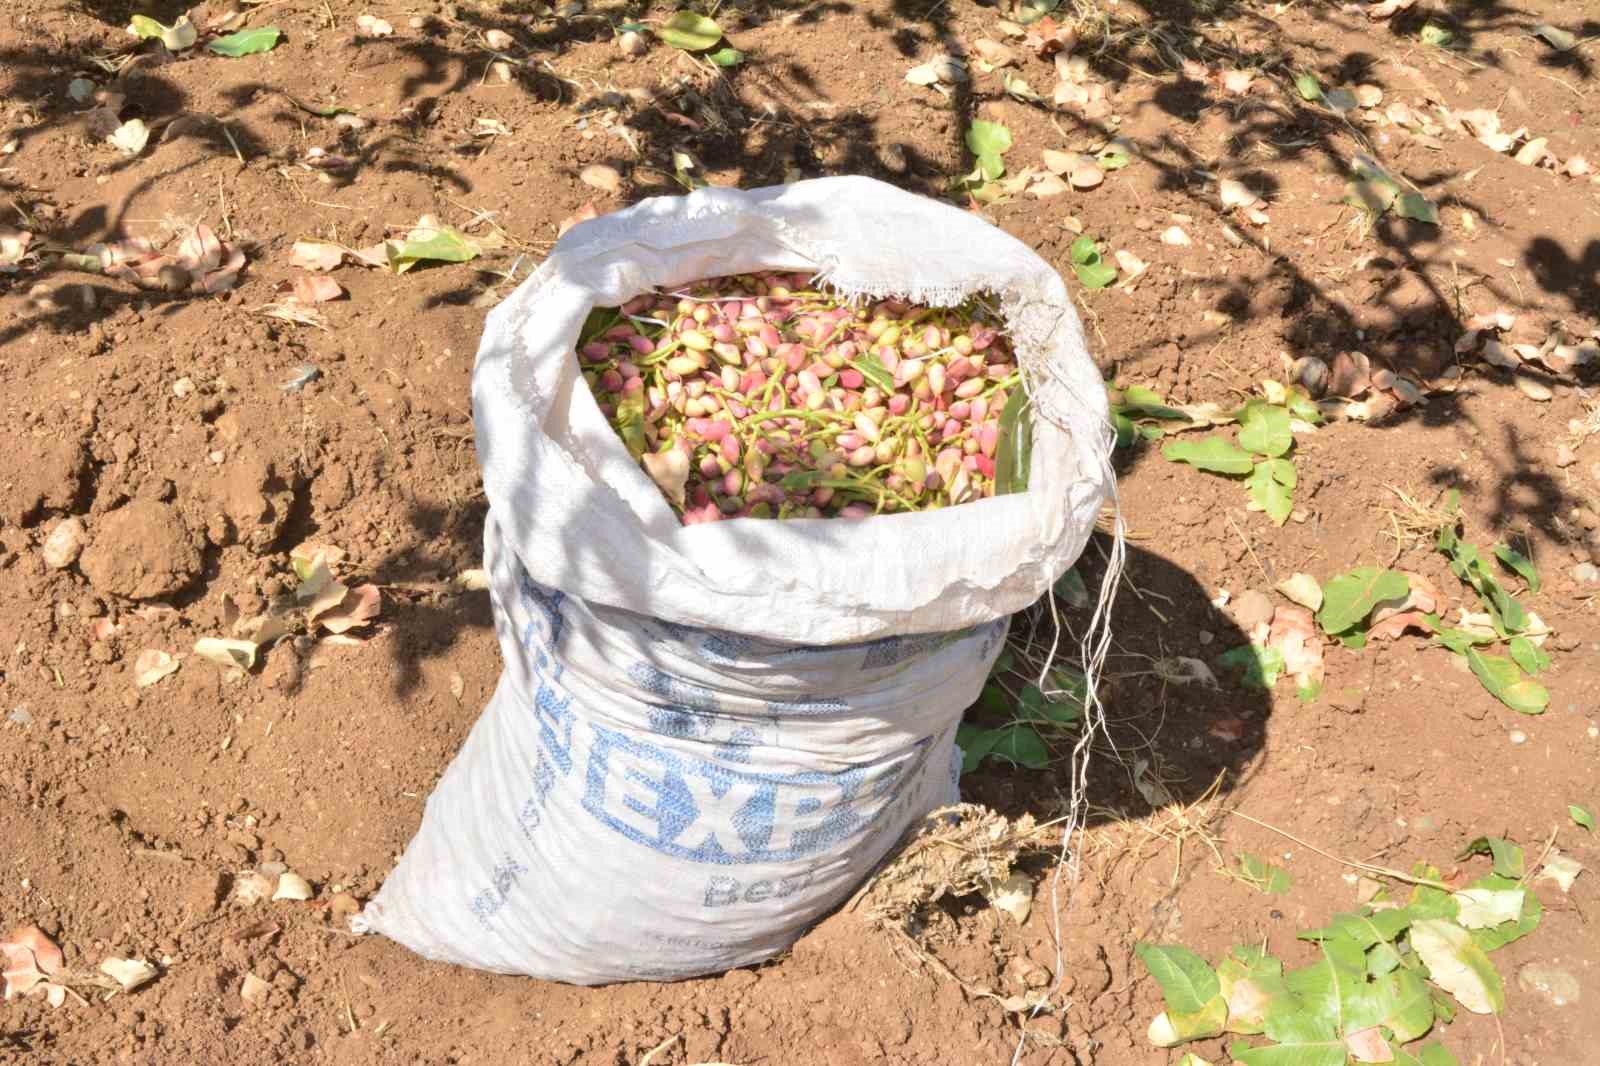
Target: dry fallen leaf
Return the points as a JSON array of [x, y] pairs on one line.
[[372, 26], [229, 654], [994, 53], [1058, 162], [1294, 634], [1085, 175], [1014, 895], [601, 177], [129, 973], [1533, 153], [315, 255], [316, 288], [359, 606], [1046, 186], [131, 136], [29, 958], [151, 666], [1130, 265], [583, 214], [1235, 193]]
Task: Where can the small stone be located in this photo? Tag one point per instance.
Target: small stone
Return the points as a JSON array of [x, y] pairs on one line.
[[254, 990], [1517, 736], [416, 22], [1565, 456], [65, 542], [499, 40], [633, 43], [292, 886], [1206, 636], [1586, 573], [182, 387], [20, 715]]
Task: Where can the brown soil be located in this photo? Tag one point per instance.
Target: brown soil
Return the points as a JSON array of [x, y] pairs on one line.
[[161, 421]]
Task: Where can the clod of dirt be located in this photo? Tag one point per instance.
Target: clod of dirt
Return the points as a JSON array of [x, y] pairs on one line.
[[63, 545], [253, 498], [38, 475], [251, 888], [1252, 608], [141, 551]]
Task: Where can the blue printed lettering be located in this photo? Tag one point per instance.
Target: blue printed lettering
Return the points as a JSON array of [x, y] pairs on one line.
[[709, 812]]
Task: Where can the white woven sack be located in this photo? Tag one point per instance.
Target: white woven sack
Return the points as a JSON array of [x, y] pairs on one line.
[[706, 736]]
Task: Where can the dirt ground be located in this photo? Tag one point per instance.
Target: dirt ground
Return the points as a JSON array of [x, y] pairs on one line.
[[162, 421]]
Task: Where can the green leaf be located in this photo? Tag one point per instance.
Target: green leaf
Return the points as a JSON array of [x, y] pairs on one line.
[[974, 742], [1260, 666], [1187, 982], [1070, 587], [1013, 456], [1527, 655], [1581, 815], [1435, 34], [1031, 11], [176, 37], [1366, 929], [1214, 454], [1521, 564], [1265, 876], [1348, 599], [442, 243], [1458, 965], [1306, 84], [1404, 1004], [1302, 1040], [988, 138], [1093, 271], [1508, 857], [1483, 907], [1507, 684], [1112, 158], [246, 42], [690, 32], [1416, 206], [1021, 745], [1271, 485], [726, 57], [874, 372], [1527, 920], [1264, 429]]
